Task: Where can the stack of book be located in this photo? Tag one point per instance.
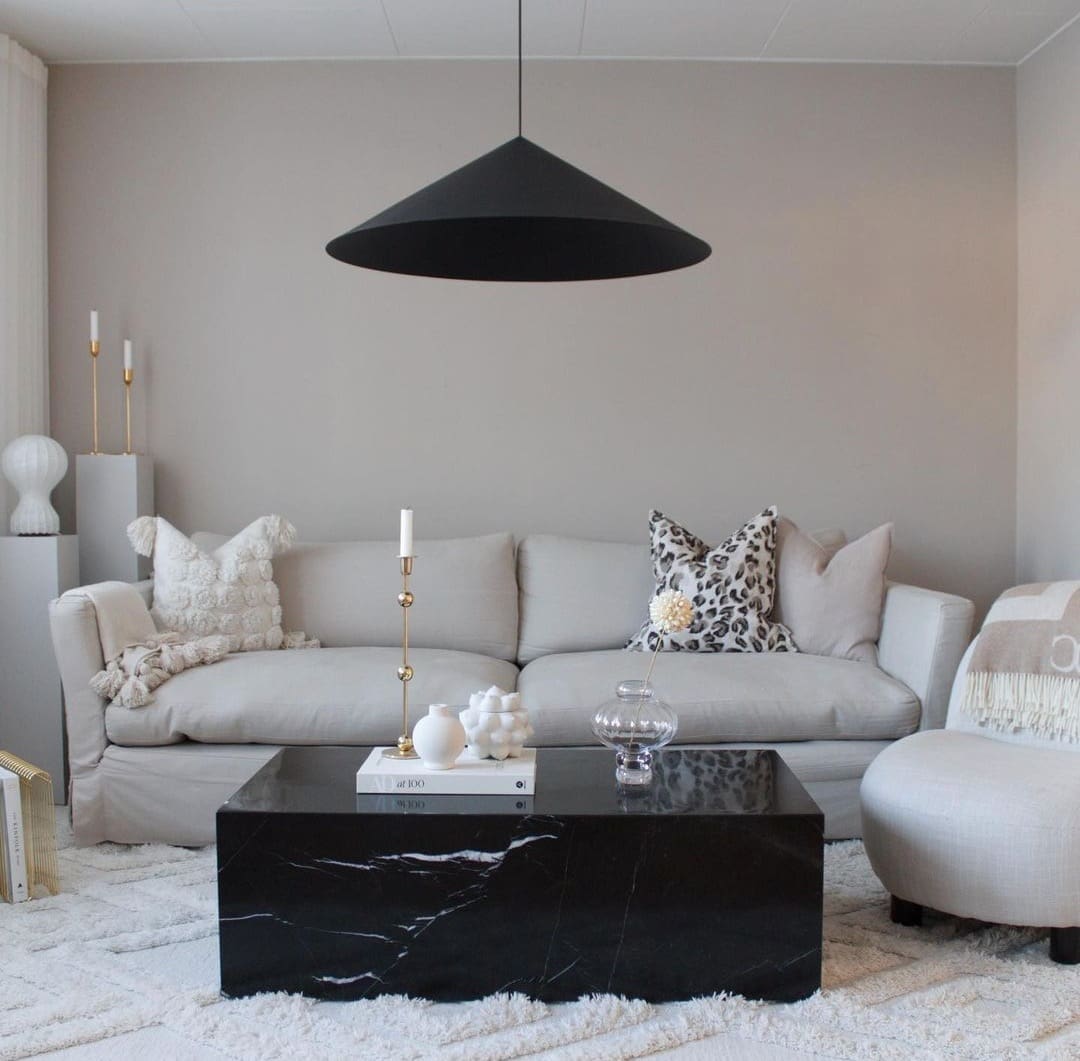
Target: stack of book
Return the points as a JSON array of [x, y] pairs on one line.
[[28, 865]]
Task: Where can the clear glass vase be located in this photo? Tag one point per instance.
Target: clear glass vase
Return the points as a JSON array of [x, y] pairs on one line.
[[635, 724]]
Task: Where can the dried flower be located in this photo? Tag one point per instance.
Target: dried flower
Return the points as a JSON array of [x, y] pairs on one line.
[[671, 611]]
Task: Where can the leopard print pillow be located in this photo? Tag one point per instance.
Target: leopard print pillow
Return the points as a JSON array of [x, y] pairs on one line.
[[730, 586]]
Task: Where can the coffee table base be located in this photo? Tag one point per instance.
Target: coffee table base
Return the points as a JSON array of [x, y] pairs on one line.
[[458, 907]]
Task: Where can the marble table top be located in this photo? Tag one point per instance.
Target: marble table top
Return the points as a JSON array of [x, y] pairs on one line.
[[569, 782]]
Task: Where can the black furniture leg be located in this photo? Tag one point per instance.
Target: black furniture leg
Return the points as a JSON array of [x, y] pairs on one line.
[[904, 913], [1065, 945]]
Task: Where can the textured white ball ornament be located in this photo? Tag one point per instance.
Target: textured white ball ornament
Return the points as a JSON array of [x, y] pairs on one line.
[[496, 725], [34, 464]]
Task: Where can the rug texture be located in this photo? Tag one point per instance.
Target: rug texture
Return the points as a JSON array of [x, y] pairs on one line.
[[131, 944]]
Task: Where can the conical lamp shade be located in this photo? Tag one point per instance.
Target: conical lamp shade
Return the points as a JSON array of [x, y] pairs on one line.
[[519, 213]]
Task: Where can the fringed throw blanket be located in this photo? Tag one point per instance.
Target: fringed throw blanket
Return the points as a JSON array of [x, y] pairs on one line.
[[1025, 669], [137, 657]]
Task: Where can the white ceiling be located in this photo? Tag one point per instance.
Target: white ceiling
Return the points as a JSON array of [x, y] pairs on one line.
[[936, 31]]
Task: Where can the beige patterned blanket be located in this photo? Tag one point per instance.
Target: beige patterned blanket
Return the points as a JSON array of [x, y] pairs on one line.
[[1025, 669], [138, 657]]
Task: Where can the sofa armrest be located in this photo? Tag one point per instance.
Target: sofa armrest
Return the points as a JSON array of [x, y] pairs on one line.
[[923, 637], [74, 627], [73, 623]]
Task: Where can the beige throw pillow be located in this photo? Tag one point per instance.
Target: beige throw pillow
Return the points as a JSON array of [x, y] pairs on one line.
[[831, 604]]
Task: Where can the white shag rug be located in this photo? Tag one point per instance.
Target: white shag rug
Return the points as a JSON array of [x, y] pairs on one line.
[[124, 964]]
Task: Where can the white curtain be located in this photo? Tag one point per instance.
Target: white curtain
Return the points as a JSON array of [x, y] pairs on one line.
[[24, 356]]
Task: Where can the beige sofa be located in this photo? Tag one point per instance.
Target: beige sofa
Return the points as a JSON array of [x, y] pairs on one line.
[[547, 616]]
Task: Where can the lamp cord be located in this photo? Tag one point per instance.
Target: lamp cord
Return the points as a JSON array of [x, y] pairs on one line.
[[519, 67]]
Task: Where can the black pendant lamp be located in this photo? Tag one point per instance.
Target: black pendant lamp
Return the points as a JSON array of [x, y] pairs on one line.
[[519, 213]]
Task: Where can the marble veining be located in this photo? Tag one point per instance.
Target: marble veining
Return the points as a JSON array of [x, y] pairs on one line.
[[659, 904], [379, 862]]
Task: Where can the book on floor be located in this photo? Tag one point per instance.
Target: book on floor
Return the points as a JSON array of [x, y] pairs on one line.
[[476, 777], [13, 886], [32, 843]]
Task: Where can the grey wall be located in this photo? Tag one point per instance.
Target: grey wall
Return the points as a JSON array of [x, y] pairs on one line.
[[1048, 154], [848, 352]]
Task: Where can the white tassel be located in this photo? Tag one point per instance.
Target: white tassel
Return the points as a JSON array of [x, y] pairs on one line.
[[297, 639], [141, 533], [107, 683], [134, 693], [280, 533], [159, 659]]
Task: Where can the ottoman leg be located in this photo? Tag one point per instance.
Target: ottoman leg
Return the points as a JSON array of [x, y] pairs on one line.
[[1065, 945], [904, 913]]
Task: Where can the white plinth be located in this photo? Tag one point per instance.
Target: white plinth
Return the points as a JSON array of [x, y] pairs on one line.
[[111, 489], [33, 571]]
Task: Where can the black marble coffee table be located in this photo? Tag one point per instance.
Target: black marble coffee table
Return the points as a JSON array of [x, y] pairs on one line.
[[708, 880]]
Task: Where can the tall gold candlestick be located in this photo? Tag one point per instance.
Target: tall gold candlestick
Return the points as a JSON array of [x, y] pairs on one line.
[[95, 349], [129, 375], [404, 749]]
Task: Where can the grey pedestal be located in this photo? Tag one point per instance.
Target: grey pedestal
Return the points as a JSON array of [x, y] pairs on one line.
[[33, 571], [111, 489]]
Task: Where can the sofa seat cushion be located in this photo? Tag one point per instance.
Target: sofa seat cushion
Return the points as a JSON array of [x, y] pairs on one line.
[[722, 696], [310, 696]]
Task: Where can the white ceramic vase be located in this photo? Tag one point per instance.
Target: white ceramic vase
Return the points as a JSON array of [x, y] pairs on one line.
[[34, 464], [439, 738]]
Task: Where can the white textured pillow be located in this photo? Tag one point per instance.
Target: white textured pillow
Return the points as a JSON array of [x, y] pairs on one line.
[[229, 591]]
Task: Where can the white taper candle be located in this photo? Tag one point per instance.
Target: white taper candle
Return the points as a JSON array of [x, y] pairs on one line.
[[406, 545], [129, 360], [93, 326]]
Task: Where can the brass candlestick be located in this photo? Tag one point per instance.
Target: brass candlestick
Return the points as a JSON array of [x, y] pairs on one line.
[[129, 375], [404, 749], [95, 349]]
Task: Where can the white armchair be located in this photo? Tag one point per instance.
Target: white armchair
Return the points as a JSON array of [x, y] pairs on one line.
[[978, 823]]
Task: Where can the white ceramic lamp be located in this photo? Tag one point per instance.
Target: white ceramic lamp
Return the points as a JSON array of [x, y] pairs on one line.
[[34, 464]]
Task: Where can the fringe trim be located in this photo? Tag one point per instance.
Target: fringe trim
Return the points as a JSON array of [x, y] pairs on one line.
[[131, 678], [1048, 705]]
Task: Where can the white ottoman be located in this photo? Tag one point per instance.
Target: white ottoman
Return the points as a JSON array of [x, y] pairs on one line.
[[978, 827]]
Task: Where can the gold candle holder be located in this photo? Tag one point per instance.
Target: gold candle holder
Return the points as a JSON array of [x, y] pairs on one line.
[[404, 749], [129, 376], [95, 349]]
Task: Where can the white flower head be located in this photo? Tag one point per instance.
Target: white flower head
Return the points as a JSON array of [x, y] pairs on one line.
[[671, 611]]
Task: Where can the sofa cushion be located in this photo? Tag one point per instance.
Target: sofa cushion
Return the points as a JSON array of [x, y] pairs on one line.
[[578, 595], [831, 602], [345, 593], [228, 590], [314, 696], [731, 586], [724, 696]]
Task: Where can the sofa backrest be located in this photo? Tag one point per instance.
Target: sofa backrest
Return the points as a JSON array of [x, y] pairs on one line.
[[563, 594], [579, 595], [345, 593]]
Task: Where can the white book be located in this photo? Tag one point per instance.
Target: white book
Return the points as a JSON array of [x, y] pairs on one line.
[[14, 839], [476, 777]]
